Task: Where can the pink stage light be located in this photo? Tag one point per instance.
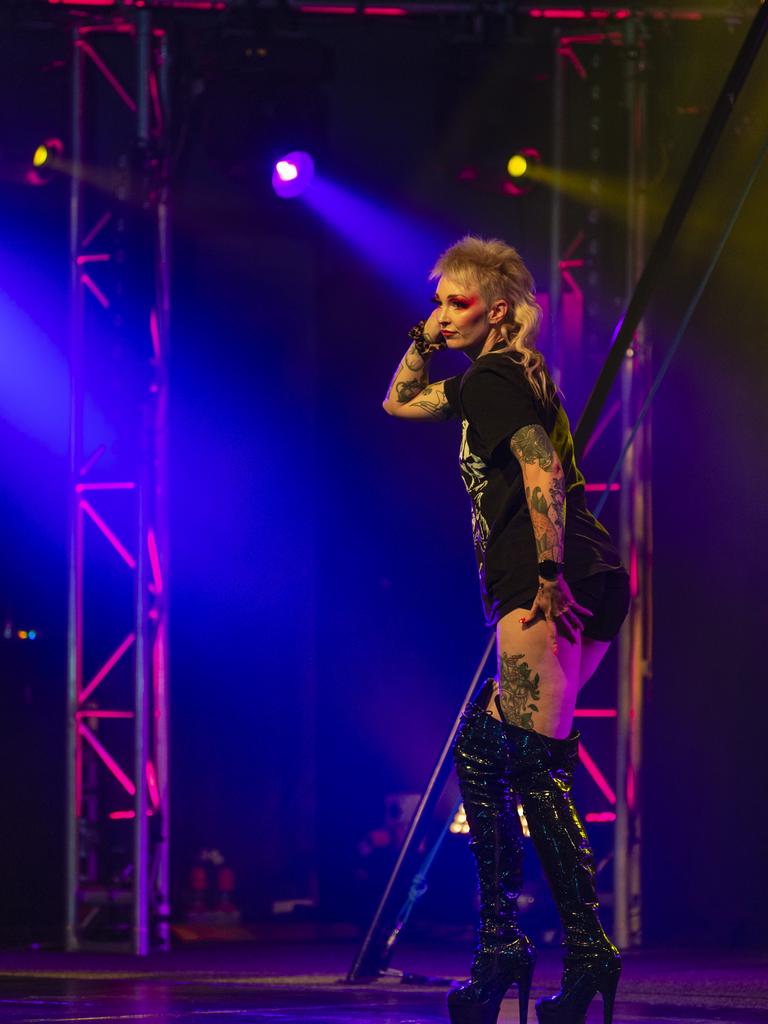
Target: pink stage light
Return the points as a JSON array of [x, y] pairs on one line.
[[601, 426], [110, 77], [602, 487], [600, 816], [154, 792], [154, 561], [100, 223], [595, 713], [108, 760], [94, 289], [127, 557], [118, 485], [631, 787], [386, 12], [557, 12], [154, 333], [597, 775], [634, 572], [107, 667], [127, 815], [92, 459], [292, 174], [94, 713]]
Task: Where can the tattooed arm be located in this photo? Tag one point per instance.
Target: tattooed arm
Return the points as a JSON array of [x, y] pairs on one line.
[[545, 493], [410, 395], [544, 489]]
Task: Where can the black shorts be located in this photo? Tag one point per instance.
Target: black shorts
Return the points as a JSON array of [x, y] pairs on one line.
[[606, 594]]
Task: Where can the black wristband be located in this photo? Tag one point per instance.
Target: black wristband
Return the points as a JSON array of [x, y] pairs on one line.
[[549, 570]]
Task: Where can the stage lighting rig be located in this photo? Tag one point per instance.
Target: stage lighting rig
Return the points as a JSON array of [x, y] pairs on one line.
[[45, 162], [292, 174], [521, 169]]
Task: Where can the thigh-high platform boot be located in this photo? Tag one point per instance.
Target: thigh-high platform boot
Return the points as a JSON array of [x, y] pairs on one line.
[[504, 955], [542, 772]]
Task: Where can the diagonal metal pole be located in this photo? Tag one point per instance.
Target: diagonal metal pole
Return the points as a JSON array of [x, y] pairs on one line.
[[657, 261], [376, 948]]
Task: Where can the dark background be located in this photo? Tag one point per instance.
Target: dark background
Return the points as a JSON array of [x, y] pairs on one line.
[[325, 614]]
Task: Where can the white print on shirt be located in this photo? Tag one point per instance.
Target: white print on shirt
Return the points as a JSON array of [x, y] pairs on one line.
[[474, 472]]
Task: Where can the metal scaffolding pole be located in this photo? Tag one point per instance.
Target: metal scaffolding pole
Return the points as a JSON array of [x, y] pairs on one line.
[[117, 720], [634, 526]]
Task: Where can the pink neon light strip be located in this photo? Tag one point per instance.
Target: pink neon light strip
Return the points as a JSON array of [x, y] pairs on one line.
[[92, 460], [592, 39], [97, 257], [120, 485], [601, 426], [78, 772], [129, 560], [570, 280], [99, 295], [100, 223], [130, 103], [154, 333], [600, 816], [602, 487], [573, 246], [108, 760], [126, 815], [154, 792], [387, 12], [568, 51], [195, 5], [634, 572], [104, 714], [107, 667], [154, 561], [595, 713], [597, 775], [556, 12]]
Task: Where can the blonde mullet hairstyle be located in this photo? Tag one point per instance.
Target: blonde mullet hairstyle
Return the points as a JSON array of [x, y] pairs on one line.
[[498, 272]]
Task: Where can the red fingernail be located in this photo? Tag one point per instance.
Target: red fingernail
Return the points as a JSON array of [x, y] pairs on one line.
[[521, 620]]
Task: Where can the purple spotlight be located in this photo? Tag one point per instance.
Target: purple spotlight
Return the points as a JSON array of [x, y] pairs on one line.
[[286, 171], [292, 174]]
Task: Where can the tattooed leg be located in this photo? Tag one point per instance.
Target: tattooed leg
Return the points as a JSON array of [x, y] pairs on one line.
[[536, 688], [519, 690]]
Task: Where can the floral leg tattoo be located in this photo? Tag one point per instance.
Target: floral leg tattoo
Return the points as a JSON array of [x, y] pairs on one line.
[[519, 691]]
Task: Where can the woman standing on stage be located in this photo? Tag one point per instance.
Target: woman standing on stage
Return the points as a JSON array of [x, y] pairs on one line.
[[554, 589]]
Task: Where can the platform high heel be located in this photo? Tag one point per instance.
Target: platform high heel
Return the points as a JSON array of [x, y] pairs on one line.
[[504, 955], [542, 775]]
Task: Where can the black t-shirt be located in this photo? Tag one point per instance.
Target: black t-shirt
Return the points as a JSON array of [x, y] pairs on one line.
[[494, 400]]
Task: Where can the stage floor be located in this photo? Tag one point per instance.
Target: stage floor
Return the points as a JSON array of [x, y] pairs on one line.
[[295, 983]]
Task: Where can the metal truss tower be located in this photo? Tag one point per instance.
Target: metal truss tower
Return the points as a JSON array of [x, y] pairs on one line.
[[575, 287], [117, 725]]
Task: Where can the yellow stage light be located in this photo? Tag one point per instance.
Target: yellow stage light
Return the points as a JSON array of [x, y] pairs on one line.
[[41, 156], [517, 166]]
